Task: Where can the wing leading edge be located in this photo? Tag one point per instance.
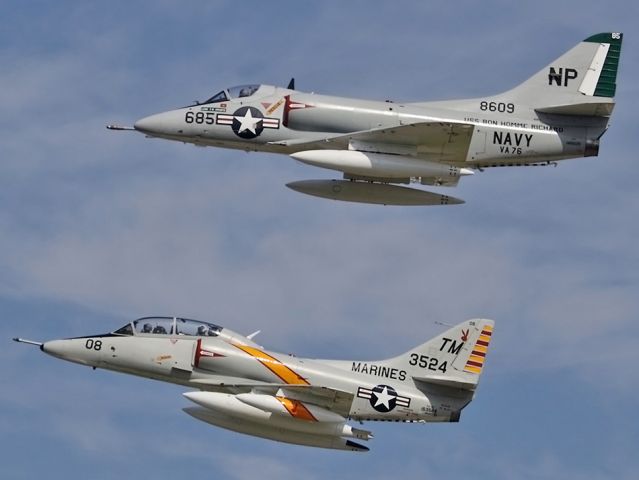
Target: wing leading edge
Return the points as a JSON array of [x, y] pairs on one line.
[[332, 399], [446, 142]]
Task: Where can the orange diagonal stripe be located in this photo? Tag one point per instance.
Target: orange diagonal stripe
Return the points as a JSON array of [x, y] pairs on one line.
[[297, 409], [274, 365]]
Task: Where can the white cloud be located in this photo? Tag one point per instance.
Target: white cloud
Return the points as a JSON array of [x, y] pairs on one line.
[[124, 226]]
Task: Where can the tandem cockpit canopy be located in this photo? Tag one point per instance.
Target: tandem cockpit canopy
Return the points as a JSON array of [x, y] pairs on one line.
[[169, 326], [232, 93]]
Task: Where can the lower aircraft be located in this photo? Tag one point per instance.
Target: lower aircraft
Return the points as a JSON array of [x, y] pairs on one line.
[[560, 112], [242, 387]]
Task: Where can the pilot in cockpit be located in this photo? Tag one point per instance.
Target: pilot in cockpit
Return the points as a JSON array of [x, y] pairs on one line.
[[201, 331], [248, 90], [147, 328]]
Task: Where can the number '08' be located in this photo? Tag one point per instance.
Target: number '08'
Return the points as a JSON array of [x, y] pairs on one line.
[[91, 344]]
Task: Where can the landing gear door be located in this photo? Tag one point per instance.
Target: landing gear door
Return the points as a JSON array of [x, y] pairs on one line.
[[477, 147]]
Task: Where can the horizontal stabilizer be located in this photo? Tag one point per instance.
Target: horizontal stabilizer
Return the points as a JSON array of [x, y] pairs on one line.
[[447, 382], [595, 109]]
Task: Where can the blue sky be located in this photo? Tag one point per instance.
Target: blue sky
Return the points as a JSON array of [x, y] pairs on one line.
[[100, 227]]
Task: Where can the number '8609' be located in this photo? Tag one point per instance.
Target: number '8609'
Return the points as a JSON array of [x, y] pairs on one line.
[[497, 107]]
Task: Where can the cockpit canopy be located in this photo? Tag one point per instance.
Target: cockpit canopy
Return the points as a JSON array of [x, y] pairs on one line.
[[232, 93], [169, 326]]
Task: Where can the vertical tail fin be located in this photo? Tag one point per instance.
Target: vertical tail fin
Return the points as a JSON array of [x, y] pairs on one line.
[[582, 81], [455, 358], [584, 75]]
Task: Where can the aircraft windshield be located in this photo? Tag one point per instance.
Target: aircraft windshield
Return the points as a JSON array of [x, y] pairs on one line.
[[185, 326], [155, 325], [233, 92], [170, 326], [126, 330], [218, 97]]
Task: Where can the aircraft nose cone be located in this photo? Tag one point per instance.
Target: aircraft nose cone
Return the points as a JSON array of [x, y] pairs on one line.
[[57, 348], [152, 124], [72, 349]]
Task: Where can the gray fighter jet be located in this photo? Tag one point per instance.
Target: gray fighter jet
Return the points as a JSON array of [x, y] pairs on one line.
[[242, 387], [560, 112]]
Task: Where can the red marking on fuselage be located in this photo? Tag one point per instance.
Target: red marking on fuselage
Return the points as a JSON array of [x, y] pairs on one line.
[[200, 352], [291, 105]]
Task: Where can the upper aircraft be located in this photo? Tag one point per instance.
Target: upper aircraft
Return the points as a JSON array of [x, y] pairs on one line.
[[560, 112], [242, 387]]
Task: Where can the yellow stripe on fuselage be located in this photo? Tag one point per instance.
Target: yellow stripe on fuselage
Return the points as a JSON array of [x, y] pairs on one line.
[[274, 365]]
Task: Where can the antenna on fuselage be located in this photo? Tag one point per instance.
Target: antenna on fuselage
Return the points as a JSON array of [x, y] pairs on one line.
[[250, 337], [437, 322], [291, 84]]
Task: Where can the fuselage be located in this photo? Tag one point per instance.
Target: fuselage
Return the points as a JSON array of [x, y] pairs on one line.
[[279, 120], [201, 360]]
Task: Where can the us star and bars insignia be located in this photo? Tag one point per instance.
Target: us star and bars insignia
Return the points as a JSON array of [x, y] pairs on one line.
[[383, 398], [247, 122]]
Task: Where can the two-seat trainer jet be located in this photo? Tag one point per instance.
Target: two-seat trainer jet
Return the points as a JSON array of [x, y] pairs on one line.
[[560, 112], [242, 387]]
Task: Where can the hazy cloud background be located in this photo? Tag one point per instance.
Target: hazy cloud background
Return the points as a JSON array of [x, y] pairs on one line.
[[101, 227]]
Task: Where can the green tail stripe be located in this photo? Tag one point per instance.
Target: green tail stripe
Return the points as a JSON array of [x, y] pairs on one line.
[[607, 84]]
